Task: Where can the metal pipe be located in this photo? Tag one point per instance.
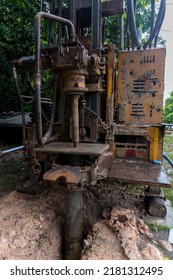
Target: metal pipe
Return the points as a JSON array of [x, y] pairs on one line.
[[73, 11], [132, 24], [12, 150], [122, 32], [38, 18], [74, 224], [41, 5], [95, 24], [75, 119], [168, 159]]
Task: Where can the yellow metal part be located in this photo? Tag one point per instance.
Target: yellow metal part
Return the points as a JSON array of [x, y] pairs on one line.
[[110, 85], [155, 138], [156, 143]]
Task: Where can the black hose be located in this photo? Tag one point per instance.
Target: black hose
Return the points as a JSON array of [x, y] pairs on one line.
[[158, 23], [152, 16], [155, 29], [168, 159], [132, 24], [18, 89]]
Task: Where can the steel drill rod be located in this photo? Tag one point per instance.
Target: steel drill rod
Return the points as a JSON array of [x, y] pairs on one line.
[[74, 224], [75, 119]]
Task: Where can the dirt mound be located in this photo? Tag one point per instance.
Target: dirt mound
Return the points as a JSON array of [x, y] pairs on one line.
[[121, 237], [31, 227]]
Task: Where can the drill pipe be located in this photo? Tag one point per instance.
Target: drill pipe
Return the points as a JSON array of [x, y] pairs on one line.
[[75, 120], [74, 224]]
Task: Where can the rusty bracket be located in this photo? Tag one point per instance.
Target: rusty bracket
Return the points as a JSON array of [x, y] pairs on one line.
[[81, 175]]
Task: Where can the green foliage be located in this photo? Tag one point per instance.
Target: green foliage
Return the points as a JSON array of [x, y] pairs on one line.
[[143, 21], [16, 39], [168, 110], [157, 228], [167, 148], [112, 30]]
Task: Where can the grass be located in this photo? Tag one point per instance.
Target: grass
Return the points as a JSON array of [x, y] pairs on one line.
[[8, 183], [168, 149], [12, 172], [132, 187], [158, 227]]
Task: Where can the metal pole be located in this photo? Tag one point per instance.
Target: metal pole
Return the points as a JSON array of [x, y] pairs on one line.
[[75, 119], [12, 150], [41, 5], [74, 224], [95, 24], [122, 32], [73, 12]]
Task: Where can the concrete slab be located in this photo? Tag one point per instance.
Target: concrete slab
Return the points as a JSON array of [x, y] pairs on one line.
[[171, 236]]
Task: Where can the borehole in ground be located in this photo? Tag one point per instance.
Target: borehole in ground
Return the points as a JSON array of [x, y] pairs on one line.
[[32, 226]]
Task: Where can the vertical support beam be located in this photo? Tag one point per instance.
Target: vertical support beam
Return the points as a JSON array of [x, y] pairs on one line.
[[96, 24], [110, 94], [156, 143], [73, 12], [122, 32], [74, 224], [110, 85]]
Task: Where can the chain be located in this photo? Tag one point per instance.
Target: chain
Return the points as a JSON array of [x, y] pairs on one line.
[[103, 124], [36, 167]]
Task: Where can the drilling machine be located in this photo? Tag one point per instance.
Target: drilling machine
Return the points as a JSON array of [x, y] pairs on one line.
[[105, 116]]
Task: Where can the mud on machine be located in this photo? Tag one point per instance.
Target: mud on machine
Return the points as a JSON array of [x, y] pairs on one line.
[[105, 115]]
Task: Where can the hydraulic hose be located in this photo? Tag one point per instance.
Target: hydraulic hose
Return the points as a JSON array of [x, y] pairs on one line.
[[152, 16], [155, 29], [168, 159], [50, 128], [18, 89], [132, 23], [158, 23], [72, 35]]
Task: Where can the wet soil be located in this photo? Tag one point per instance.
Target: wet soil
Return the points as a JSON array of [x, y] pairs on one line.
[[32, 226]]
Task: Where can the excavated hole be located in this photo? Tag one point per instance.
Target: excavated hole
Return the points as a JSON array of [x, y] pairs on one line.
[[32, 226]]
